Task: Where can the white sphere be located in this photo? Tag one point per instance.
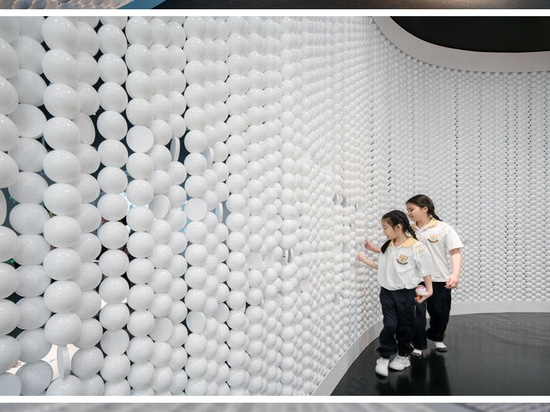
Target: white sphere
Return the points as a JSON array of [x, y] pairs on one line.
[[62, 100], [112, 40], [113, 207], [140, 244], [30, 53], [114, 316], [112, 68], [112, 125], [114, 262], [35, 377], [87, 362], [30, 87], [61, 166], [112, 97], [114, 289], [9, 243], [140, 192], [60, 33], [139, 58], [9, 99], [62, 199], [62, 263], [32, 281], [9, 134], [140, 166], [62, 328], [60, 66], [62, 134], [10, 352], [62, 231], [141, 323], [62, 296], [34, 345], [115, 342], [113, 235], [9, 170], [112, 153], [140, 139], [112, 180]]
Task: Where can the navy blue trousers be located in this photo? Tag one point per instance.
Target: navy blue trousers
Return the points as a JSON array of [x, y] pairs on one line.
[[398, 322], [438, 307]]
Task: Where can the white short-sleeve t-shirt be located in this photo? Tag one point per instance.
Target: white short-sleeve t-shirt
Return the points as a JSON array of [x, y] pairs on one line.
[[439, 238], [403, 267]]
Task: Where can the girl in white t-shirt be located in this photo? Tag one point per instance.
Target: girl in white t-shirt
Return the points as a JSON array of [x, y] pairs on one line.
[[441, 241], [403, 263]]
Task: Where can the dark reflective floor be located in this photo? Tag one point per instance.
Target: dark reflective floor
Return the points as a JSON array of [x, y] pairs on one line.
[[489, 355], [351, 4]]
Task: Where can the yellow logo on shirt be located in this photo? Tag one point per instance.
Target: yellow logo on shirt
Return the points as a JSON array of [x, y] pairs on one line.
[[433, 238], [403, 259]]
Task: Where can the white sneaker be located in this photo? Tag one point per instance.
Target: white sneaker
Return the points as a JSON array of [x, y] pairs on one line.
[[440, 346], [417, 353], [399, 363], [382, 366]]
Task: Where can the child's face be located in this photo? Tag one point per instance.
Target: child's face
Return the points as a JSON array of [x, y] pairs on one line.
[[390, 232], [416, 212]]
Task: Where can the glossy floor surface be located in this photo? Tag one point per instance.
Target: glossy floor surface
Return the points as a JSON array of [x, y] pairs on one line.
[[489, 355], [353, 4]]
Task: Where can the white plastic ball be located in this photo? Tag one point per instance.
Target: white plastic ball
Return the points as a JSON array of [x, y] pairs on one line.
[[139, 85], [62, 263], [114, 316], [113, 207], [114, 289], [34, 345], [112, 153], [62, 134], [112, 97], [140, 166], [62, 231], [9, 99], [140, 244], [141, 323], [62, 199], [112, 68], [35, 377], [62, 296], [9, 244], [30, 53], [112, 40], [114, 262], [30, 87], [112, 180], [62, 100], [62, 328], [87, 362], [60, 66], [139, 58], [112, 125]]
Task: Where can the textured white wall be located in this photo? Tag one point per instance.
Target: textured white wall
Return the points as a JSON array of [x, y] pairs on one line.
[[182, 198]]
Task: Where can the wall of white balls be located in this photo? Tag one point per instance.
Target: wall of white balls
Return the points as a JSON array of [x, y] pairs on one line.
[[182, 198]]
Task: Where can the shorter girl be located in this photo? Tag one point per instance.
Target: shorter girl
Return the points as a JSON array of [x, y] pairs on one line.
[[403, 263]]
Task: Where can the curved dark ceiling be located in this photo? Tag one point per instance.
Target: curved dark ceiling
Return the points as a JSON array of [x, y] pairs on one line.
[[482, 34]]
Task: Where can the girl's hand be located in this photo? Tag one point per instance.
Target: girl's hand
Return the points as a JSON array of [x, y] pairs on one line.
[[452, 282], [423, 297], [369, 246]]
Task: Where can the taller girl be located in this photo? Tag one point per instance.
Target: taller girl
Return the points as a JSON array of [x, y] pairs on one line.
[[442, 241]]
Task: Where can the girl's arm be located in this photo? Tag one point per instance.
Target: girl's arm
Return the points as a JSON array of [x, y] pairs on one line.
[[362, 258], [456, 263], [429, 289]]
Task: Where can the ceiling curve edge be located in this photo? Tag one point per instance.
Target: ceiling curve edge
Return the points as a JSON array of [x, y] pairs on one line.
[[461, 59]]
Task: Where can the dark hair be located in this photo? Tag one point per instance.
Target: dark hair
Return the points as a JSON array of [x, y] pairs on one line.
[[394, 218], [424, 201]]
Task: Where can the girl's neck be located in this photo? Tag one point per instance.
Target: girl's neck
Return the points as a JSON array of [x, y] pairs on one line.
[[421, 223], [399, 240]]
